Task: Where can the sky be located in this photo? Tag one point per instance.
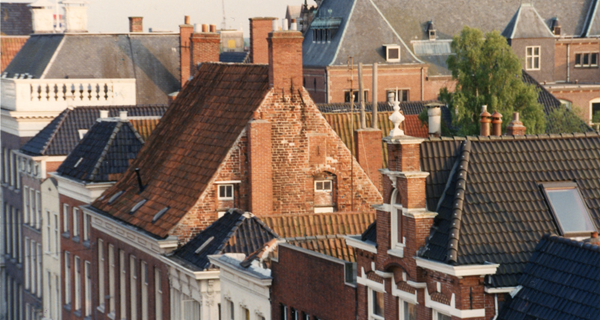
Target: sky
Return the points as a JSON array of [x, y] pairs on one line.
[[167, 15]]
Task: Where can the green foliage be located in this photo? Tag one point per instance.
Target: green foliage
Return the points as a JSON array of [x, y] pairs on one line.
[[596, 117], [566, 120], [489, 73]]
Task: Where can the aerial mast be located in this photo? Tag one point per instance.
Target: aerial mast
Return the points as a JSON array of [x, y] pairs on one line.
[[224, 23]]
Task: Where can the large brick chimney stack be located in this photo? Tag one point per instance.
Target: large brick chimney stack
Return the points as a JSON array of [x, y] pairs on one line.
[[259, 32], [136, 24], [260, 167], [285, 58], [205, 47], [185, 33]]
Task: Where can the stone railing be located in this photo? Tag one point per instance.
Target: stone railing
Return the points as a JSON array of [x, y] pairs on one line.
[[57, 94]]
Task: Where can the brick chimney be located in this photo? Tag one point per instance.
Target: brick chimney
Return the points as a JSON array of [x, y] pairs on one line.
[[496, 124], [185, 33], [205, 47], [261, 170], [484, 122], [369, 153], [285, 59], [515, 127], [259, 32], [136, 24]]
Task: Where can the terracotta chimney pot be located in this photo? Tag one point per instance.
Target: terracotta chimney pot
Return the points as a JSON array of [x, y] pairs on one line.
[[496, 124], [484, 122], [515, 127]]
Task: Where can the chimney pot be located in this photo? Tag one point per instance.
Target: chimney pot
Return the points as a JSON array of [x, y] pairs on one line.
[[284, 24], [485, 122], [515, 127], [213, 28], [123, 115], [204, 28], [435, 119], [136, 24], [186, 19], [496, 124], [103, 114]]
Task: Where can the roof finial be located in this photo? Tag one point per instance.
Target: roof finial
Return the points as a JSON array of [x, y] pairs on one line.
[[396, 118]]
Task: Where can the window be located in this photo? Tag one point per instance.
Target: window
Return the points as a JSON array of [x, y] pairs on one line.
[[56, 235], [324, 196], [569, 209], [77, 265], [323, 186], [294, 314], [595, 110], [33, 267], [111, 279], [402, 94], [408, 311], [26, 204], [440, 316], [48, 233], [50, 305], [27, 264], [38, 206], [65, 218], [532, 58], [57, 294], [284, 313], [75, 222], [67, 277], [396, 239], [122, 284], [226, 192], [19, 235], [158, 294], [32, 221], [39, 273], [245, 314], [230, 310], [376, 305], [101, 274], [586, 60], [88, 289], [144, 290], [86, 227], [392, 52], [133, 286], [355, 94]]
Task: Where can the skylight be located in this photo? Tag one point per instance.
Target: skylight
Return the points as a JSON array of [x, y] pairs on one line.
[[159, 214], [204, 245], [78, 162], [114, 197], [137, 206], [569, 209]]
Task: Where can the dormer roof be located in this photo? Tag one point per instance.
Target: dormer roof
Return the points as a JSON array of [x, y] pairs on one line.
[[527, 23]]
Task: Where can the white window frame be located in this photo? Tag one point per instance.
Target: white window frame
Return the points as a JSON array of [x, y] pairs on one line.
[[27, 263], [75, 222], [67, 278], [225, 198], [32, 220], [48, 233], [39, 274], [65, 218], [435, 313], [401, 308], [158, 294], [111, 281], [56, 235], [38, 208], [323, 182], [87, 226], [230, 310], [533, 56], [387, 52], [370, 305], [133, 286], [397, 242], [26, 204], [101, 292], [589, 64], [88, 289], [33, 263], [122, 284], [77, 265], [144, 297], [592, 102]]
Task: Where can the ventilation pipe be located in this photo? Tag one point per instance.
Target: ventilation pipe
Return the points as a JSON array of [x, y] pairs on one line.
[[434, 111]]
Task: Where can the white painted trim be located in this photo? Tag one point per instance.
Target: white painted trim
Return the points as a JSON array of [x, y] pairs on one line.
[[362, 279], [80, 190], [499, 290], [451, 309], [228, 182], [417, 285], [387, 275], [358, 244], [246, 275], [419, 213], [458, 271], [403, 295]]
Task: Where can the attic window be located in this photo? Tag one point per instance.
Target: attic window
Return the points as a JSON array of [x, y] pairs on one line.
[[78, 162], [114, 197], [137, 206], [392, 52], [569, 209], [204, 245], [160, 214]]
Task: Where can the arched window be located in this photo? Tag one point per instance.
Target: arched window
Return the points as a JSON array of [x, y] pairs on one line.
[[396, 237]]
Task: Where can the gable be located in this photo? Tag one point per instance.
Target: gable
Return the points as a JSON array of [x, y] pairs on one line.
[[527, 23]]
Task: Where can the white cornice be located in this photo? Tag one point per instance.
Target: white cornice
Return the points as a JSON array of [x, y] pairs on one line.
[[403, 140], [355, 242], [237, 272], [196, 275], [499, 290], [80, 190], [458, 271], [405, 174], [419, 213], [451, 309]]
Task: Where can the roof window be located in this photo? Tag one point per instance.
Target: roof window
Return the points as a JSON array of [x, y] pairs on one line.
[[569, 209], [160, 214], [392, 52], [137, 206], [114, 197], [78, 162], [204, 245]]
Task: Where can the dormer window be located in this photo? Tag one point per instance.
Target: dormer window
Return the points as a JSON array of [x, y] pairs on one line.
[[431, 31], [227, 192], [570, 211], [392, 52]]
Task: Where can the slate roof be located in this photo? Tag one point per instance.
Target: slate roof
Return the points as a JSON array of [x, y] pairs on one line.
[[593, 23], [492, 209], [61, 135], [104, 152], [527, 23], [188, 145], [152, 59], [560, 282], [234, 232], [234, 57], [319, 224], [10, 46], [407, 107], [16, 19], [370, 234], [331, 245]]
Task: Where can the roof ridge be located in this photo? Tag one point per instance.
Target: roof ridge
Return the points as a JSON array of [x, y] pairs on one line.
[[107, 146], [135, 132], [570, 242], [454, 231], [231, 232], [56, 129], [589, 19], [264, 225]]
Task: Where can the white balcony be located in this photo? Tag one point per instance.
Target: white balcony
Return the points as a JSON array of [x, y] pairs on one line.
[[55, 95]]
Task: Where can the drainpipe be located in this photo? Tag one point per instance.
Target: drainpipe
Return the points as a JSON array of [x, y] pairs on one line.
[[422, 85], [495, 305], [568, 56]]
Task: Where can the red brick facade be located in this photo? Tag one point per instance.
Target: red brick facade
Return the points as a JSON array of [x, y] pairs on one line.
[[285, 59], [260, 167], [136, 24], [259, 31], [205, 48], [369, 153], [185, 33]]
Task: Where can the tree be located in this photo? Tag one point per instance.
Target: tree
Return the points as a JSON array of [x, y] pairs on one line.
[[488, 72], [566, 120]]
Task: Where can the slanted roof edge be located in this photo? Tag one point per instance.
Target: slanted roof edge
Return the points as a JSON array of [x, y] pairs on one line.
[[337, 50], [58, 125], [54, 55], [591, 16], [107, 147], [542, 19], [454, 232]]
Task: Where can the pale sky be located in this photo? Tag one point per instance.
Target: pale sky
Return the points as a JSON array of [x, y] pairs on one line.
[[112, 15]]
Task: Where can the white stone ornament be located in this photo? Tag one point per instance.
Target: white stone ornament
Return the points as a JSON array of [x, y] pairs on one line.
[[396, 118]]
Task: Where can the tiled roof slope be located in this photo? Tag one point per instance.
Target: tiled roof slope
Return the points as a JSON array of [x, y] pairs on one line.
[[527, 23], [10, 46], [16, 19], [234, 57], [407, 107], [61, 135], [188, 145], [560, 282], [493, 209], [234, 232], [319, 224], [331, 245], [144, 126], [104, 153], [152, 59]]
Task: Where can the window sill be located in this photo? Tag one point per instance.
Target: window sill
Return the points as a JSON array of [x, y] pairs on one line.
[[86, 244], [75, 239], [67, 307], [396, 252], [100, 308], [111, 315], [77, 313], [66, 235]]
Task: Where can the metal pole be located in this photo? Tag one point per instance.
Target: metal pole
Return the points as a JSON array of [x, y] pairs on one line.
[[375, 119], [361, 97]]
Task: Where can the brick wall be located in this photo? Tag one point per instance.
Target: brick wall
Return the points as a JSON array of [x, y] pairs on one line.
[[285, 59], [259, 31], [580, 97], [547, 46], [205, 48], [311, 285], [369, 154], [185, 33], [260, 167], [571, 47], [315, 82], [136, 24]]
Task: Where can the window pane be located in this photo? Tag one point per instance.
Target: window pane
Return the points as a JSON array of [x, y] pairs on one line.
[[594, 59], [319, 185], [443, 317], [586, 58], [229, 191], [578, 59], [410, 311], [570, 210], [222, 191], [536, 51], [378, 303], [529, 62], [536, 63], [327, 185], [529, 51]]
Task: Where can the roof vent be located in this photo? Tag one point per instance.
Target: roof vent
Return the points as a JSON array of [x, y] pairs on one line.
[[556, 27], [160, 214], [115, 196], [431, 31], [392, 52], [204, 245], [137, 206]]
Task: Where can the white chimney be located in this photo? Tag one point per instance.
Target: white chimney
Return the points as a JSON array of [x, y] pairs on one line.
[[103, 114], [42, 16], [434, 111], [75, 15], [284, 24], [123, 115], [275, 25]]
